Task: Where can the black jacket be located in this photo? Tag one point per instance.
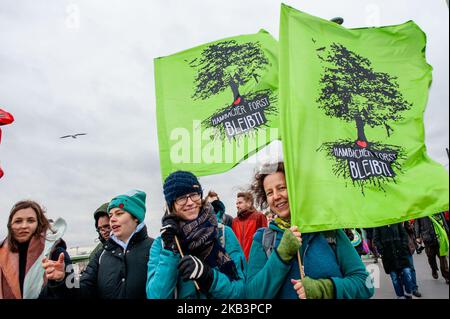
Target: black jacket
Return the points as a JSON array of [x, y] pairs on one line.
[[114, 273], [392, 242], [424, 228]]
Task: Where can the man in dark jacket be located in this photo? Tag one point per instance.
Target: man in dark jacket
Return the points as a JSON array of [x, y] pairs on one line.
[[119, 270], [392, 244], [102, 226], [425, 232], [372, 248]]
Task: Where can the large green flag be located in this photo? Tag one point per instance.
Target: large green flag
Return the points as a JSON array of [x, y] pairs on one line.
[[217, 103], [351, 116]]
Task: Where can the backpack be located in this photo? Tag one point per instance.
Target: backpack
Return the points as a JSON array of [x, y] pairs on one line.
[[268, 240], [270, 237]]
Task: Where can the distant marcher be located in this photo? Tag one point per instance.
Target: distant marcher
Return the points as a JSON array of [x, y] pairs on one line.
[[119, 270], [247, 222], [30, 239], [102, 227], [372, 248], [412, 248], [270, 216], [392, 243], [357, 239], [212, 256], [428, 233], [219, 208], [332, 267]]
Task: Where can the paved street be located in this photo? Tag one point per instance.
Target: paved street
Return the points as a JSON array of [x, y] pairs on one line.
[[429, 287]]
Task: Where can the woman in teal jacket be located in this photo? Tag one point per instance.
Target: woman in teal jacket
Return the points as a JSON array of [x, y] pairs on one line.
[[213, 258], [333, 268]]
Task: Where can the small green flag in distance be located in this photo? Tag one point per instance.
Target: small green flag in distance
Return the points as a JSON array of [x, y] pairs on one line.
[[217, 103], [351, 117]]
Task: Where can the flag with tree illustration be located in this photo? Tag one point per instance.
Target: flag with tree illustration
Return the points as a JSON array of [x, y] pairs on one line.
[[217, 103], [351, 105]]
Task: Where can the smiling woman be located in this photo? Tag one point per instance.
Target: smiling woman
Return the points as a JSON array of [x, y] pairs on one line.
[[118, 270], [193, 249], [333, 268], [30, 238]]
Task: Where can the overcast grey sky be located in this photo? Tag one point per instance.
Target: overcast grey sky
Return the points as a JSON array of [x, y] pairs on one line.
[[87, 66]]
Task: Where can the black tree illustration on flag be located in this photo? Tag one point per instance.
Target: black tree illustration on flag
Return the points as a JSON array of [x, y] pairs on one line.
[[352, 91], [227, 66]]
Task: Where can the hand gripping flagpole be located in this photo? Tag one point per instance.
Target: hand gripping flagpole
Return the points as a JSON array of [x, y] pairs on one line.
[[182, 255]]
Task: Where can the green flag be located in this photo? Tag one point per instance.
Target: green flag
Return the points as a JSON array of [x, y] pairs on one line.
[[217, 103], [351, 116]]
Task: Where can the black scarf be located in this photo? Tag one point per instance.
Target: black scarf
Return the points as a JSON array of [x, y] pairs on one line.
[[199, 237]]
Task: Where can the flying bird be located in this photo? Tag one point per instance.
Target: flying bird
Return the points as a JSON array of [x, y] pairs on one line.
[[74, 135]]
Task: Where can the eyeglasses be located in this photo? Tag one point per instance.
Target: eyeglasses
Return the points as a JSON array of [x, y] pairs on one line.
[[182, 200], [104, 228]]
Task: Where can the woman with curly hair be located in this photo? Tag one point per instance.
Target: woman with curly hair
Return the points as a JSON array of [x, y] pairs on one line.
[[332, 267]]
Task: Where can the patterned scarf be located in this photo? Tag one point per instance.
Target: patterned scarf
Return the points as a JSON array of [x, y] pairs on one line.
[[282, 223], [199, 237]]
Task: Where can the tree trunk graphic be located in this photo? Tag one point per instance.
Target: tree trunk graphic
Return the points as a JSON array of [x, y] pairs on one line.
[[235, 90], [353, 91], [361, 140]]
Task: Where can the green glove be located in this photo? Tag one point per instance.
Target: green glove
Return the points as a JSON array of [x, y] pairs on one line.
[[288, 247], [318, 289]]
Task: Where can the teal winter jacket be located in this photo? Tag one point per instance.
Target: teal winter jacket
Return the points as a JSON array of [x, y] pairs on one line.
[[163, 281], [269, 278]]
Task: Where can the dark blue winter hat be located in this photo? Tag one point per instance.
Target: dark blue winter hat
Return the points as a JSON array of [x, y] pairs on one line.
[[180, 183]]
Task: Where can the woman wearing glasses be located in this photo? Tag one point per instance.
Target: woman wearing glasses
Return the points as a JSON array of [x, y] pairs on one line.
[[103, 228], [194, 257]]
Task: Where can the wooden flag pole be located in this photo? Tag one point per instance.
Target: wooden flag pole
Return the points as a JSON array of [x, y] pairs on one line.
[[302, 273], [181, 253]]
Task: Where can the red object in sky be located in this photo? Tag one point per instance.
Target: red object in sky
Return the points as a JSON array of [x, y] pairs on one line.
[[5, 118]]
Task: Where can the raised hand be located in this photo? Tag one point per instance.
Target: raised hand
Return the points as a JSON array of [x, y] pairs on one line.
[[289, 244], [168, 232], [296, 232], [54, 270]]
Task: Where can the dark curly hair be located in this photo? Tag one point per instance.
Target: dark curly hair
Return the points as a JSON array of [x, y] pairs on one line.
[[257, 187]]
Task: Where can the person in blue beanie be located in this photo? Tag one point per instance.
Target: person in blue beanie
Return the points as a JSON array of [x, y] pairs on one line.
[[333, 268], [213, 259], [119, 269]]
